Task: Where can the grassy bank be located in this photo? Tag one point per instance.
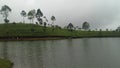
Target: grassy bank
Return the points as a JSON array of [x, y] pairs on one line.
[[22, 31], [5, 63]]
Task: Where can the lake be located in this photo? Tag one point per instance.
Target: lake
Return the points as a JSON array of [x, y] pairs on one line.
[[68, 53]]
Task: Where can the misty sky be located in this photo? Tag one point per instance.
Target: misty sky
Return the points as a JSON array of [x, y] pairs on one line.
[[99, 13]]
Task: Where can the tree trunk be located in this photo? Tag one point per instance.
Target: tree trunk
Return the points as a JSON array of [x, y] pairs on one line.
[[23, 20]]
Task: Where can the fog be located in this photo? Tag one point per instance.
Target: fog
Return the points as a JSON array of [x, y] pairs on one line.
[[99, 13]]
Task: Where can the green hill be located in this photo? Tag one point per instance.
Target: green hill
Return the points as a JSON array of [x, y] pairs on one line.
[[20, 30]]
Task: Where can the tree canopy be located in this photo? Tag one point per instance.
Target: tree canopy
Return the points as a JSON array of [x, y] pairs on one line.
[[70, 26], [31, 15], [39, 13], [5, 12], [85, 26], [53, 18], [23, 14]]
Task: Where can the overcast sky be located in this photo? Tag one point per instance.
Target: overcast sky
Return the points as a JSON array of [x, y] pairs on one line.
[[99, 13]]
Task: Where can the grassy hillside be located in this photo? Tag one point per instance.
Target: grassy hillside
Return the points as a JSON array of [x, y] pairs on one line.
[[5, 63], [32, 30]]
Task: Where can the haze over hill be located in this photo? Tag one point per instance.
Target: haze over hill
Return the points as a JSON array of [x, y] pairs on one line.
[[99, 13]]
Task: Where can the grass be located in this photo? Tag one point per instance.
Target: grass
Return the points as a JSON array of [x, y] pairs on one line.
[[33, 30], [5, 63], [30, 30]]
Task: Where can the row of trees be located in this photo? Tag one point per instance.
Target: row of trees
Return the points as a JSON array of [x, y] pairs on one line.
[[85, 26], [32, 14]]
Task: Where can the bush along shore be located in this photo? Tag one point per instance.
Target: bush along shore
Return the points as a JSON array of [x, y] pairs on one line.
[[5, 63], [21, 31]]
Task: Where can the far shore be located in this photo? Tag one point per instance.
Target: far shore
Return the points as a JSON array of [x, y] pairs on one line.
[[31, 32], [49, 38]]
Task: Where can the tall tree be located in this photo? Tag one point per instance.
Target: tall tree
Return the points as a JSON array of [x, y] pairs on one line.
[[70, 26], [118, 29], [40, 20], [31, 15], [45, 22], [85, 26], [39, 14], [23, 14], [45, 19], [53, 19], [5, 12]]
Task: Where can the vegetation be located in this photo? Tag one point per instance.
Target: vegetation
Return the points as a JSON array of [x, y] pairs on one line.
[[5, 63], [86, 26], [42, 29], [31, 15], [39, 14], [53, 19], [23, 14], [5, 12], [118, 29], [70, 27], [22, 30]]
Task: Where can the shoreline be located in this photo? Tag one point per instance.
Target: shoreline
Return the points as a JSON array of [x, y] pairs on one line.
[[31, 32], [29, 38], [34, 38]]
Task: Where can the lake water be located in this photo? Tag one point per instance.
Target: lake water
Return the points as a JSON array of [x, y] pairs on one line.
[[68, 53]]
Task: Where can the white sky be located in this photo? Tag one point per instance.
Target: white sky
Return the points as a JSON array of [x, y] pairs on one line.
[[99, 13]]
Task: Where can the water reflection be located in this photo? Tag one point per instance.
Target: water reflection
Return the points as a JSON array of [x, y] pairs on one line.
[[23, 53], [71, 53]]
